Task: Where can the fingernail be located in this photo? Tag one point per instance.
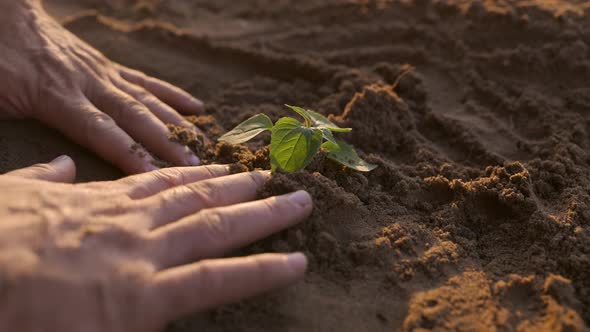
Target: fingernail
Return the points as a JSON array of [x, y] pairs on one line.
[[297, 262], [301, 198], [60, 159], [193, 160]]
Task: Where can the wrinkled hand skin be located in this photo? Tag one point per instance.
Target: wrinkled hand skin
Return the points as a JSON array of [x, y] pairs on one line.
[[47, 73], [134, 254]]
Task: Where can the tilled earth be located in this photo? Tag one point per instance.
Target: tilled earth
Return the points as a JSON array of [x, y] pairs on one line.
[[478, 217]]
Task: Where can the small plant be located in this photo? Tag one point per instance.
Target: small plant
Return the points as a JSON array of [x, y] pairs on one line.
[[293, 144]]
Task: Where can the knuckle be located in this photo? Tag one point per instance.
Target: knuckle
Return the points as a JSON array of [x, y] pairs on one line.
[[136, 109], [167, 199], [135, 77], [207, 193], [96, 123], [260, 268], [271, 207], [120, 205], [170, 177], [127, 110], [258, 178], [99, 58], [210, 172], [42, 169], [218, 228], [215, 171], [136, 190], [140, 78], [100, 119], [149, 99], [113, 235], [208, 276]]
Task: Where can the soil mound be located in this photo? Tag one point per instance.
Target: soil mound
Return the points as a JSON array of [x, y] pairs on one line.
[[478, 217]]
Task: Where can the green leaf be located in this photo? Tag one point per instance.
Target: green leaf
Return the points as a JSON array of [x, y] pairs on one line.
[[328, 135], [304, 113], [248, 129], [345, 154], [321, 121], [293, 145]]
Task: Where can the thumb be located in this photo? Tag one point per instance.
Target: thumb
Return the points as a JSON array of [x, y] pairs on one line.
[[61, 169]]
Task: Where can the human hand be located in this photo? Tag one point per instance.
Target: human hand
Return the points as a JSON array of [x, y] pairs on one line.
[[131, 255], [51, 75]]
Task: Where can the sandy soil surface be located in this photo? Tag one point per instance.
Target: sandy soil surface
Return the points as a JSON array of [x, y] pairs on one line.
[[478, 218]]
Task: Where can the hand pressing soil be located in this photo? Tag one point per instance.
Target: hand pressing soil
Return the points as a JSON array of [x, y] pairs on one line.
[[51, 75], [129, 255]]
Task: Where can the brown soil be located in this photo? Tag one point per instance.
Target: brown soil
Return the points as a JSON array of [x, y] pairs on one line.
[[478, 217]]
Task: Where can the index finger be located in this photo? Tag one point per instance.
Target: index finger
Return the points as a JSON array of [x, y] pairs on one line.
[[148, 184], [82, 122], [145, 185], [168, 93], [173, 204], [192, 288]]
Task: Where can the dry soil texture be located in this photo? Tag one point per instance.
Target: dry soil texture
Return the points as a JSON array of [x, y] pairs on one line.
[[478, 217]]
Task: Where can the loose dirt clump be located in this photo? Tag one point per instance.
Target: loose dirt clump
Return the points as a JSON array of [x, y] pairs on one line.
[[478, 217]]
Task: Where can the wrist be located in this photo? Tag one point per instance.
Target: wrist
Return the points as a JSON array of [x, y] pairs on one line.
[[19, 4], [23, 19]]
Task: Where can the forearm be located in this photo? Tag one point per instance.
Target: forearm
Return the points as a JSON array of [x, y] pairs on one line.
[[12, 11], [18, 17]]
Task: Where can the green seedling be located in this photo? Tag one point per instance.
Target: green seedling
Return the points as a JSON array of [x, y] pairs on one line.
[[294, 143]]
